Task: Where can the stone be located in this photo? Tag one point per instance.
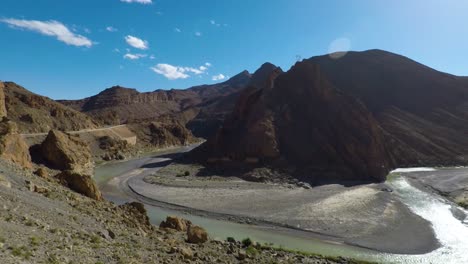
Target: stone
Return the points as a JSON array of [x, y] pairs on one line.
[[4, 182], [137, 215], [42, 172], [40, 190], [80, 183], [196, 235], [174, 222], [241, 255], [187, 253]]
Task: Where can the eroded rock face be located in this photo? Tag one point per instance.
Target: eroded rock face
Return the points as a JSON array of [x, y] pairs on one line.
[[66, 152], [299, 120], [12, 146]]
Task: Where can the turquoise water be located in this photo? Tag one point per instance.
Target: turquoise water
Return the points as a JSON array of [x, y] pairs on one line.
[[451, 232]]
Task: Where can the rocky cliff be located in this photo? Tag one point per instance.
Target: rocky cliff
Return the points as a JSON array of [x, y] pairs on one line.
[[300, 122]]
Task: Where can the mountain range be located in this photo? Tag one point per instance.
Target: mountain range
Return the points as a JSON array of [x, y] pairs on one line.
[[328, 118]]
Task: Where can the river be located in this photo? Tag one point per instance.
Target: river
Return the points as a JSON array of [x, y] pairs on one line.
[[450, 231]]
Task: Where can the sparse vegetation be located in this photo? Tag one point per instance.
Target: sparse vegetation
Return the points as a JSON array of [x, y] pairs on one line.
[[35, 241], [231, 240], [251, 250], [21, 251], [246, 242]]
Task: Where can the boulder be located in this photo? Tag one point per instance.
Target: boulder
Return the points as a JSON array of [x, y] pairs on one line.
[[12, 146], [137, 215], [173, 222], [66, 152], [187, 253], [80, 183], [196, 235], [42, 172]]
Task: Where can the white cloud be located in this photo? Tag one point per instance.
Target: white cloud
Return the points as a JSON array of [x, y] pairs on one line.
[[111, 29], [177, 30], [177, 72], [136, 42], [152, 57], [170, 72], [198, 34], [116, 50], [130, 56], [50, 28], [207, 64], [218, 77], [145, 2]]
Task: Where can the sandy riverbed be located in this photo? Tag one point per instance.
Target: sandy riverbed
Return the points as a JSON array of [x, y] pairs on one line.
[[364, 215]]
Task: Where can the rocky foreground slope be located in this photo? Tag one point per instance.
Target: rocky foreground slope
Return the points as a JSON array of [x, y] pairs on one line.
[[347, 119], [43, 222]]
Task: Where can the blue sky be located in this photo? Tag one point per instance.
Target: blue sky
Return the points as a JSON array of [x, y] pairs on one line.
[[76, 48]]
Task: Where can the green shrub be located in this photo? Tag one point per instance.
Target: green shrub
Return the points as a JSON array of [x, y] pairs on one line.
[[246, 242], [231, 240], [187, 173], [251, 251]]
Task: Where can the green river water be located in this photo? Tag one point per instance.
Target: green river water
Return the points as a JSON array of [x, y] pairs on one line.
[[451, 232]]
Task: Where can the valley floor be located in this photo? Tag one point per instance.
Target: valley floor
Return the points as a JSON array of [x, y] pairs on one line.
[[368, 215]]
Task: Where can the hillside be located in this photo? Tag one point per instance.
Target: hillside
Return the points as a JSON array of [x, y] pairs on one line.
[[118, 105], [36, 114], [424, 111]]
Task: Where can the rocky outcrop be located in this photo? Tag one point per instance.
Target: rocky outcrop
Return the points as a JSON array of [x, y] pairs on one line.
[[137, 216], [38, 114], [174, 222], [80, 183], [3, 111], [163, 133], [66, 152], [12, 146]]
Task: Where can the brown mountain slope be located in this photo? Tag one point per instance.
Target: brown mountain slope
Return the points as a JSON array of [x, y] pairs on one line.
[[352, 118], [118, 105], [425, 110], [34, 113]]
